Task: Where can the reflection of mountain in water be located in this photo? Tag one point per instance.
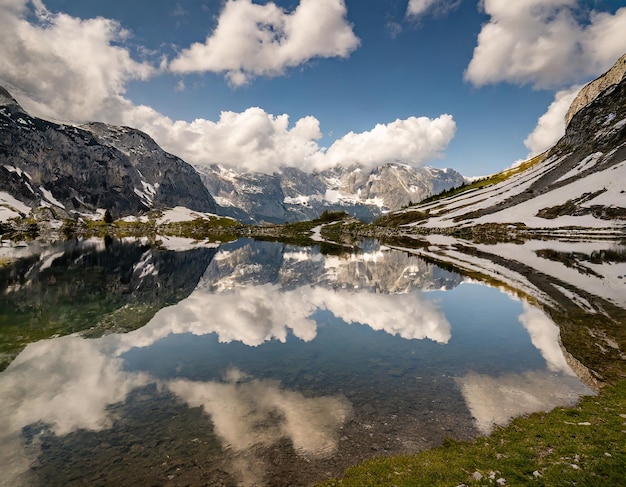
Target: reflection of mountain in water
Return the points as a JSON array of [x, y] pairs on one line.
[[260, 377], [291, 267], [579, 283], [92, 285]]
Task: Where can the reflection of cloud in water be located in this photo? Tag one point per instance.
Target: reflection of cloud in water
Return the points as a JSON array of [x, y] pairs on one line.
[[495, 400], [544, 335], [249, 415], [66, 383], [409, 316], [259, 413], [256, 314]]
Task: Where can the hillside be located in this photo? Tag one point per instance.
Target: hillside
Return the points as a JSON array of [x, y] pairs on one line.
[[580, 182]]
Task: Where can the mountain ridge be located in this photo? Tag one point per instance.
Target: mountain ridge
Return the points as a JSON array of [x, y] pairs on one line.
[[74, 170], [294, 195], [578, 183]]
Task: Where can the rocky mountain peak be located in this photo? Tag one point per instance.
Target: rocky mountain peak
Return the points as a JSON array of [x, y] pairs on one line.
[[593, 89], [6, 99]]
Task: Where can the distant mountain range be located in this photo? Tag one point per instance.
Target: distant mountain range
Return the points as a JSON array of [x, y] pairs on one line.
[[294, 195], [55, 171]]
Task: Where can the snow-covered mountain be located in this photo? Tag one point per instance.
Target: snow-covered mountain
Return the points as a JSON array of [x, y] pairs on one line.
[[70, 169], [580, 182], [294, 195]]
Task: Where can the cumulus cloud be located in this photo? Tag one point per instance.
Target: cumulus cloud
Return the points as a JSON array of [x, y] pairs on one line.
[[253, 414], [67, 384], [68, 67], [551, 125], [77, 70], [252, 320], [255, 140], [414, 140], [418, 8], [242, 413], [263, 40], [546, 43]]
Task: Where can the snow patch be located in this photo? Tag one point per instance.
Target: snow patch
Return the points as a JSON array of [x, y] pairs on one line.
[[11, 207], [223, 202], [182, 214], [48, 196]]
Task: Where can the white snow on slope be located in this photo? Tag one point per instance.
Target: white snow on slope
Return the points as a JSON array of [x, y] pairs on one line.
[[606, 280], [608, 283], [11, 207], [182, 244], [51, 199], [49, 259], [182, 214], [613, 180]]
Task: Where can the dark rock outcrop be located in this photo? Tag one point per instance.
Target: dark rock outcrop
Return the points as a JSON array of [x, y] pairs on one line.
[[80, 169]]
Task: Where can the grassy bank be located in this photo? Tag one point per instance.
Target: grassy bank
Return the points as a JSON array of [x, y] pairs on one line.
[[584, 445]]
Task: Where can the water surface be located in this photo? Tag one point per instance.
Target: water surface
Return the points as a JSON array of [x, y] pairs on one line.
[[279, 366]]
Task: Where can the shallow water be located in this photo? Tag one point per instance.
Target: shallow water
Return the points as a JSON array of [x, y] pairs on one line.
[[281, 367]]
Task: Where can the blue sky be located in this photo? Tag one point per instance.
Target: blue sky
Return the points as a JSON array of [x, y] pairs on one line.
[[450, 83]]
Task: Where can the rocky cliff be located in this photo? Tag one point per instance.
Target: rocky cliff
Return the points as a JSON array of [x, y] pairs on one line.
[[71, 169], [592, 90], [294, 195]]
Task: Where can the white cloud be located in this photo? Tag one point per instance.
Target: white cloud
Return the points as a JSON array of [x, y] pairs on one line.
[[551, 125], [263, 40], [418, 8], [255, 414], [67, 384], [77, 70], [252, 321], [68, 67], [255, 140], [413, 140], [547, 43], [241, 413]]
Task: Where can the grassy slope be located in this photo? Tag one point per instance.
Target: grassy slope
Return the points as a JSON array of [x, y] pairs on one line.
[[584, 445]]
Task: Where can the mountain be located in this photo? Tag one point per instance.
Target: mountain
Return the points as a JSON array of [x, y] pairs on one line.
[[71, 169], [579, 183], [294, 195]]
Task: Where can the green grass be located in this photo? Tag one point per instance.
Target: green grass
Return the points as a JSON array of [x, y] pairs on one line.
[[487, 181], [584, 446], [400, 218]]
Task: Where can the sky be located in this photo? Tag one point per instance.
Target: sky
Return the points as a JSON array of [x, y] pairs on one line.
[[258, 85]]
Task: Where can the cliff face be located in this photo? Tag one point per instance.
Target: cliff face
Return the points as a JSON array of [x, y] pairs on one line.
[[294, 195], [592, 90], [80, 169]]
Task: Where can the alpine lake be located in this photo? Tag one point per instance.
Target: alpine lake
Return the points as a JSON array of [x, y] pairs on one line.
[[138, 362]]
